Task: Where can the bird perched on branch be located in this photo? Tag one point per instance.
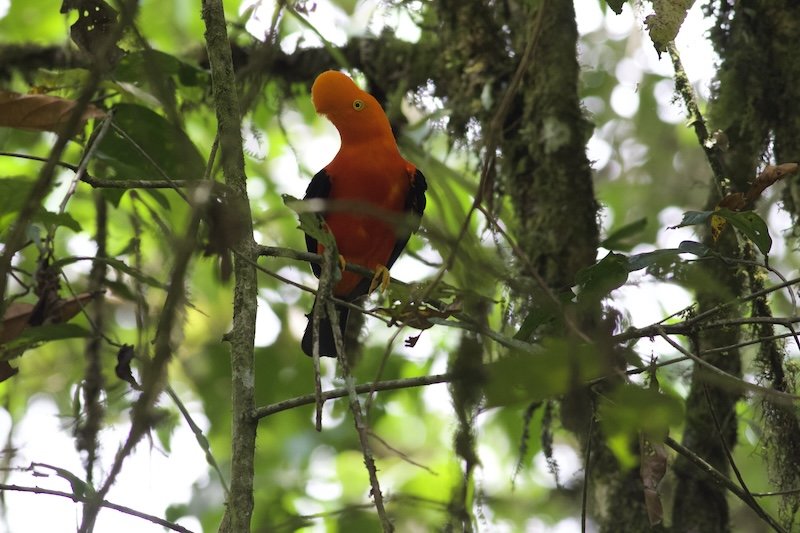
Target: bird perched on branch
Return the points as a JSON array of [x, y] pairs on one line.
[[380, 187]]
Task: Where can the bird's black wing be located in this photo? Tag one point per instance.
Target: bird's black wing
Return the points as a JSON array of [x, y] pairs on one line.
[[320, 187], [415, 206]]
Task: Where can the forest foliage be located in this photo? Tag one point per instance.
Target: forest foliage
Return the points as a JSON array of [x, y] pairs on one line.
[[576, 337]]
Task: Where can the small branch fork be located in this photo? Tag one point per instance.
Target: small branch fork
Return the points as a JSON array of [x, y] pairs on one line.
[[358, 418], [325, 307], [103, 503]]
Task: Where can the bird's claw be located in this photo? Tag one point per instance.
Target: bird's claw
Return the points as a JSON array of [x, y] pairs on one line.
[[381, 279]]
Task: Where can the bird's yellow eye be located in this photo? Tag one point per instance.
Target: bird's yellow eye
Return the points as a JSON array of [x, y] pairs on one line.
[[358, 105]]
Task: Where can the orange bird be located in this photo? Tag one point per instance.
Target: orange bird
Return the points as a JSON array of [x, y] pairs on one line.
[[368, 169]]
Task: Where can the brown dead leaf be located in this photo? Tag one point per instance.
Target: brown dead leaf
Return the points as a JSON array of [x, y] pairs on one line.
[[18, 315], [734, 201], [652, 469], [418, 315], [768, 176], [7, 371], [15, 320], [39, 112], [66, 309]]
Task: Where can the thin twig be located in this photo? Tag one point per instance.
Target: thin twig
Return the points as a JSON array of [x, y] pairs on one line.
[[725, 447], [684, 88], [690, 326], [198, 435], [85, 160], [270, 251], [381, 367], [721, 479], [153, 381], [746, 343], [150, 160], [358, 419], [100, 183], [533, 272], [400, 454], [776, 493], [586, 474], [104, 503], [737, 382], [324, 290], [88, 428], [393, 384]]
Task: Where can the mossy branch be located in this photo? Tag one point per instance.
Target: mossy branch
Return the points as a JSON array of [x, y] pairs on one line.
[[239, 510]]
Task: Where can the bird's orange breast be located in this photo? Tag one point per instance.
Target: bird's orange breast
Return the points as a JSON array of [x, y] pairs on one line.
[[377, 185]]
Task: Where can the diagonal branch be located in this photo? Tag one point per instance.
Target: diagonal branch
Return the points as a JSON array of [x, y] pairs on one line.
[[722, 480], [358, 419]]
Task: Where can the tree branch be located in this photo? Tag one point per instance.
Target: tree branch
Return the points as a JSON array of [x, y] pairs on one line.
[[721, 480], [104, 503], [358, 420], [239, 510], [393, 384], [733, 380]]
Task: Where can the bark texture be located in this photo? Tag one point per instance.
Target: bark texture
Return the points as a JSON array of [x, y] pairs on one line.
[[753, 106]]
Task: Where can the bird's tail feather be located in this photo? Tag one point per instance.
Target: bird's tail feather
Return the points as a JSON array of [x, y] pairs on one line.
[[327, 346]]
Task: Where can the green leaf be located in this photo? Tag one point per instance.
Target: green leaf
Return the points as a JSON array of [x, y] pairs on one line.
[[117, 264], [136, 67], [176, 511], [159, 197], [165, 429], [310, 221], [693, 247], [615, 241], [13, 192], [113, 196], [122, 290], [597, 281], [693, 218], [648, 259], [543, 311], [751, 225], [631, 409], [134, 273], [58, 219], [616, 5], [128, 248], [559, 367], [50, 332], [79, 487], [151, 148]]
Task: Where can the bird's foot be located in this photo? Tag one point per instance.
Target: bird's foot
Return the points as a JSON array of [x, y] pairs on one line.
[[381, 279]]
